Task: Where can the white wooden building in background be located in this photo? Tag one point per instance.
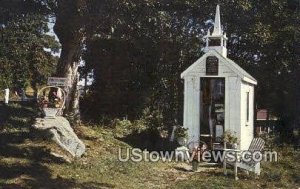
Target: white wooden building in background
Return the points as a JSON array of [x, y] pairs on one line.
[[239, 90]]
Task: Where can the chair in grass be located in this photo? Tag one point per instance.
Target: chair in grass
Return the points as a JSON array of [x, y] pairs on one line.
[[257, 145]]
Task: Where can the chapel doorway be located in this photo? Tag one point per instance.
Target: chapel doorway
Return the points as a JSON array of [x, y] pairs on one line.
[[212, 110]]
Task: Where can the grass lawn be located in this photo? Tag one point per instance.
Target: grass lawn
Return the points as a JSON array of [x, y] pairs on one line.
[[26, 162]]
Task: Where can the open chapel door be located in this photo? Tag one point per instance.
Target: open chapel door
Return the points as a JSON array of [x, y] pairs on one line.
[[212, 109]]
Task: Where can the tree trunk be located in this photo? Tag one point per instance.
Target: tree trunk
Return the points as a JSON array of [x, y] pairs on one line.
[[69, 27], [296, 108], [68, 67], [85, 84]]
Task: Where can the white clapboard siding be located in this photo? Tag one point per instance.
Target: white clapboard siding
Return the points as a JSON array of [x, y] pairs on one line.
[[237, 83]]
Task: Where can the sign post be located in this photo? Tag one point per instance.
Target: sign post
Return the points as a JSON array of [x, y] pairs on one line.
[[58, 81]]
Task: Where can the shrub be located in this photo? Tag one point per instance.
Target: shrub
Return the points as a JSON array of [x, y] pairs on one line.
[[270, 140], [126, 127], [138, 126], [229, 137], [153, 119], [181, 132], [121, 127]]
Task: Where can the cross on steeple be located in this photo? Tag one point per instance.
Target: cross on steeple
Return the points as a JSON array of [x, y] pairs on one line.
[[217, 40]]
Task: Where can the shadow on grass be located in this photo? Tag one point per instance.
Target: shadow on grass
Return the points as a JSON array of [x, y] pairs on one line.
[[18, 115], [182, 169], [25, 163], [149, 140], [35, 174]]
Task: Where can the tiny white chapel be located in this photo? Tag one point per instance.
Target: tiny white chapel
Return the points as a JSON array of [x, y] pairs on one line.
[[218, 94]]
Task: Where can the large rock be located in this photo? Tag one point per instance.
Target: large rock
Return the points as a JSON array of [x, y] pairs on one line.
[[63, 134]]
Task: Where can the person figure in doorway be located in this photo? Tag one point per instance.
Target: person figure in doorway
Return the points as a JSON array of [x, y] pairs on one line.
[[196, 155]]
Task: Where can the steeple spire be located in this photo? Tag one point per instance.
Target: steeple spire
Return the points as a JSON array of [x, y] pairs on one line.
[[217, 25], [217, 40]]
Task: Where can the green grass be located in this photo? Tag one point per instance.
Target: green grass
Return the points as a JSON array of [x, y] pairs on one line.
[[26, 162]]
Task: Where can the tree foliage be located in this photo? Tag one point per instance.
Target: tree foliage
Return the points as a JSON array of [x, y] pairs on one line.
[[138, 52], [25, 48]]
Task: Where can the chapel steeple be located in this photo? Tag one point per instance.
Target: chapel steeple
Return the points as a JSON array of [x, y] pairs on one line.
[[217, 40]]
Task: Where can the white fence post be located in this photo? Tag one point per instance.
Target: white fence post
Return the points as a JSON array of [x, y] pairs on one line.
[[6, 96]]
